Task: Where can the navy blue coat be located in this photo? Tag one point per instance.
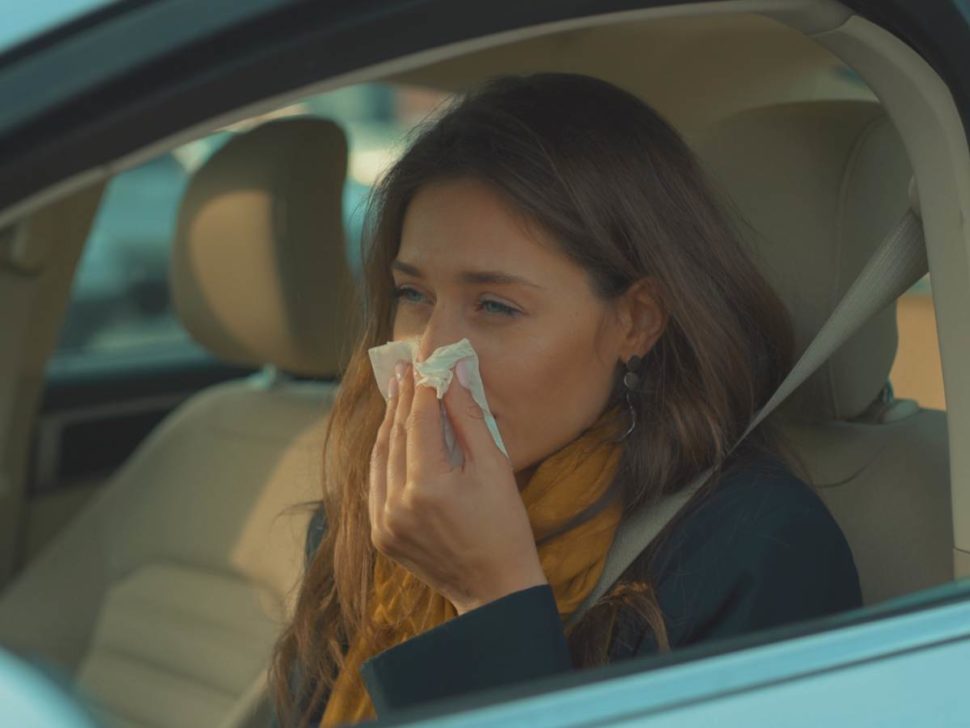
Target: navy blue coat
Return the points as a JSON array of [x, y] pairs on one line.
[[760, 551]]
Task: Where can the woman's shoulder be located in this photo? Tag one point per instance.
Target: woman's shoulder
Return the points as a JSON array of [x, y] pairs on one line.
[[761, 500], [760, 550]]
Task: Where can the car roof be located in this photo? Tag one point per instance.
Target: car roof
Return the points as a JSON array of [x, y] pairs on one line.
[[118, 97]]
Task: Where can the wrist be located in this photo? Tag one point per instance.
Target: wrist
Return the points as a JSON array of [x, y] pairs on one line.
[[510, 584]]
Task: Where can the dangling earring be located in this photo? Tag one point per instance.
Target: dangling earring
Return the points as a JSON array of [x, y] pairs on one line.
[[631, 380]]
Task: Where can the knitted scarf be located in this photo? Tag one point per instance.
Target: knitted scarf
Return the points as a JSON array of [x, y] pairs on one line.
[[565, 484]]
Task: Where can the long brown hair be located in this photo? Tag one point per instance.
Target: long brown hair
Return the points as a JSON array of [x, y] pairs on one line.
[[625, 198]]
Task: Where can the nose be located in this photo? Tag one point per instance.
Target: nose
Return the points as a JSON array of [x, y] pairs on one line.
[[443, 327]]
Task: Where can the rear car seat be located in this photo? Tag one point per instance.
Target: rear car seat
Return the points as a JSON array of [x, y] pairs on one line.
[[818, 185], [163, 596]]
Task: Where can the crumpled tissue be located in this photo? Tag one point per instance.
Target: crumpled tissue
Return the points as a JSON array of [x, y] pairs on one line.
[[437, 372]]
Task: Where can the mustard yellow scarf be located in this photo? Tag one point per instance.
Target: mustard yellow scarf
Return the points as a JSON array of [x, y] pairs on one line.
[[564, 485]]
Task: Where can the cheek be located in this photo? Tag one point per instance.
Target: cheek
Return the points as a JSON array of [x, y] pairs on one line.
[[543, 399], [407, 324], [402, 326]]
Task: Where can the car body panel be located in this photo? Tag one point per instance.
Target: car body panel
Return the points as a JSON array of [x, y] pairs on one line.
[[258, 49], [854, 669], [23, 22]]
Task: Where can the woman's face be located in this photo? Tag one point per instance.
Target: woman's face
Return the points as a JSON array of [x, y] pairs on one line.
[[547, 346]]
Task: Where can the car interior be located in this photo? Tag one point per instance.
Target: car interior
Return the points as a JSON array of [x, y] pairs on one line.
[[154, 521]]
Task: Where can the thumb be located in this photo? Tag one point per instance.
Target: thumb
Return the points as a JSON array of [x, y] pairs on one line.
[[467, 417]]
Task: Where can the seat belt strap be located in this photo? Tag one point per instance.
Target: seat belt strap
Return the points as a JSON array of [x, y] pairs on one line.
[[896, 265]]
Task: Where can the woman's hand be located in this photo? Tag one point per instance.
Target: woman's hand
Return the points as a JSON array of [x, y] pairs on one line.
[[463, 531]]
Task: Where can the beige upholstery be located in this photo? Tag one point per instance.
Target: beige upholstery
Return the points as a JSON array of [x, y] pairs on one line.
[[252, 279], [819, 185], [164, 596]]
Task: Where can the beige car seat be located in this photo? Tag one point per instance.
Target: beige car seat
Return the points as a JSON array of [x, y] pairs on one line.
[[163, 597], [818, 185]]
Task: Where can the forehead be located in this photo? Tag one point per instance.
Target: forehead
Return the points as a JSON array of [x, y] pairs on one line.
[[466, 224]]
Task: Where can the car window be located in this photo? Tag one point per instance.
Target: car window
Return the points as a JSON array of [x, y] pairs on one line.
[[120, 308], [917, 371]]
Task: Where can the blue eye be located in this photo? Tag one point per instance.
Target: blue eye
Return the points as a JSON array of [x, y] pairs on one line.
[[500, 308], [402, 291]]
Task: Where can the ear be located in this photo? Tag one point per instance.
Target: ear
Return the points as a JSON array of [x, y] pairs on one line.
[[642, 317]]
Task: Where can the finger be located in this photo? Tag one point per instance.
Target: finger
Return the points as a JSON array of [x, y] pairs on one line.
[[397, 445], [468, 421], [426, 442], [377, 493]]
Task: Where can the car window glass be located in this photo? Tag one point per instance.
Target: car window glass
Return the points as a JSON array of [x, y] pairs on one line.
[[917, 372], [120, 304]]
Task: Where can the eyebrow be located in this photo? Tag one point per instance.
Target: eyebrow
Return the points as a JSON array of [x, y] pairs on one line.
[[471, 276]]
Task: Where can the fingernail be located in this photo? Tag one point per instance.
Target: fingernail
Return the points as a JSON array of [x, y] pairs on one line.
[[461, 371], [392, 387], [399, 370]]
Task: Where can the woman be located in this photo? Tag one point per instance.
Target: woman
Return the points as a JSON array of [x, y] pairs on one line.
[[625, 340]]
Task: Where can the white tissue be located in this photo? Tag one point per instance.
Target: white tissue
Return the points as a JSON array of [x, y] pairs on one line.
[[437, 372]]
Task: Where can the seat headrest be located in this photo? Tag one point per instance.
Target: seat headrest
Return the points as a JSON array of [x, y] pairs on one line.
[[818, 185], [259, 273]]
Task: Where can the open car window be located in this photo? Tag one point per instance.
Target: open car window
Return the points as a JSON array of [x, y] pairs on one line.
[[121, 310], [917, 371]]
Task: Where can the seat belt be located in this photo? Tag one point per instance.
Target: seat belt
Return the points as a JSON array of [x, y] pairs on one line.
[[896, 265]]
